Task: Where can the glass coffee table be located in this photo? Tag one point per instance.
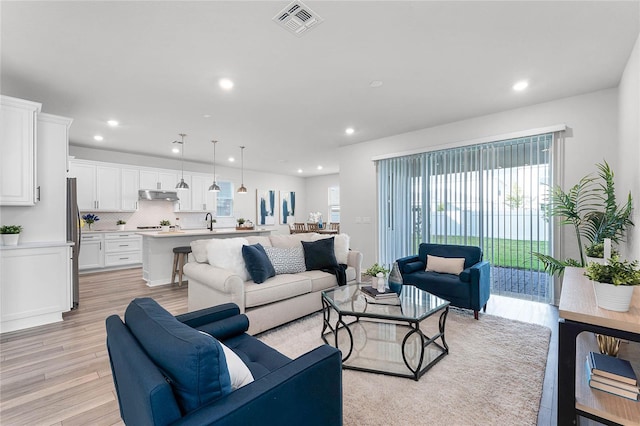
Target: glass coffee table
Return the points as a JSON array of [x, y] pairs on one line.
[[381, 338]]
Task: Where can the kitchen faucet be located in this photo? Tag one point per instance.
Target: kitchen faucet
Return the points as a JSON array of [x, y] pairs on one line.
[[209, 219]]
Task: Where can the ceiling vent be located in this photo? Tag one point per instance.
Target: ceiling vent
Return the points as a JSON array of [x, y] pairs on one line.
[[297, 18]]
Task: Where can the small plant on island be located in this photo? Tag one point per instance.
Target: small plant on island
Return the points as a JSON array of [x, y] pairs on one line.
[[10, 229], [241, 221], [375, 269], [121, 222], [615, 272], [165, 222]]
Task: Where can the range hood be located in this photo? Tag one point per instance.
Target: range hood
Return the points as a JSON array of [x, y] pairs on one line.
[[157, 195]]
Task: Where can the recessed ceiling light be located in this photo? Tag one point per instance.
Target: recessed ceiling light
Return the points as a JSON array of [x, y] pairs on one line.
[[349, 131], [231, 159], [113, 123], [521, 85], [207, 116], [98, 138], [175, 150], [299, 170], [375, 83], [226, 84], [319, 167]]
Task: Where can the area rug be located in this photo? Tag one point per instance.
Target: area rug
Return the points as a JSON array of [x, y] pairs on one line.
[[492, 375]]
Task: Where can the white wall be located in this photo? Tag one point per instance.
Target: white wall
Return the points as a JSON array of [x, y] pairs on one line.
[[628, 173], [244, 205], [593, 127], [317, 190]]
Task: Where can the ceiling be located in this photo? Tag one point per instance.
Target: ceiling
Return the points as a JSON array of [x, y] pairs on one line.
[[155, 66]]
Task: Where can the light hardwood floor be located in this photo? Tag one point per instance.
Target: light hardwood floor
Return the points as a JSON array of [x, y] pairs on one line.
[[59, 374]]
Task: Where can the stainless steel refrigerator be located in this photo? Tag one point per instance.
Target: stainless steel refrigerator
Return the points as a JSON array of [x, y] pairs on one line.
[[73, 235]]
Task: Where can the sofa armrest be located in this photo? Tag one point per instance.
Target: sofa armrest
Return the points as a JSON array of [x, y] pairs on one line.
[[410, 264], [200, 317], [354, 260], [308, 391], [481, 283]]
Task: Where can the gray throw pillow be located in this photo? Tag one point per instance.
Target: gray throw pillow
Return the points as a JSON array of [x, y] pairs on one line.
[[286, 260]]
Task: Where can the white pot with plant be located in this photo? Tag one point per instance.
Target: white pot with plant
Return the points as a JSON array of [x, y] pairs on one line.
[[10, 234], [164, 225], [379, 274], [614, 283], [121, 223]]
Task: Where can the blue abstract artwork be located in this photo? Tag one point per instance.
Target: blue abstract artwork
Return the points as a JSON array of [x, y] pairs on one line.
[[287, 207], [266, 206]]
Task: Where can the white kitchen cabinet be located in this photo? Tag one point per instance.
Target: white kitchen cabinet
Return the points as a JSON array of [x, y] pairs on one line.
[[91, 251], [201, 199], [18, 162], [98, 186], [122, 248], [158, 179], [34, 285], [130, 187]]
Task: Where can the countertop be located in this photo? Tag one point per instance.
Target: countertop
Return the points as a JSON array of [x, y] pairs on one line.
[[32, 245], [190, 232]]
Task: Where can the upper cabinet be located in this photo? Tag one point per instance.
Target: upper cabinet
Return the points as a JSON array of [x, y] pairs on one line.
[[158, 179], [130, 187], [18, 176], [98, 186], [201, 198]]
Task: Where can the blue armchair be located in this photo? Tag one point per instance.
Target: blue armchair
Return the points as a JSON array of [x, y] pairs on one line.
[[470, 289], [166, 371]]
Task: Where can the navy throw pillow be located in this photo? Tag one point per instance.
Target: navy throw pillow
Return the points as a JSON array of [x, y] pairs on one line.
[[319, 254], [195, 364], [258, 263]]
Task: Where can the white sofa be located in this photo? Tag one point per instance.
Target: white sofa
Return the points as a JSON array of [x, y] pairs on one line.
[[276, 301]]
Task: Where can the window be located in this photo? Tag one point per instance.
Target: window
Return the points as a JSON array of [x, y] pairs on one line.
[[491, 195], [334, 204], [224, 200]]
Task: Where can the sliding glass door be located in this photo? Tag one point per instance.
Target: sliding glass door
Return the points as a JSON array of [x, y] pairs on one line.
[[491, 195]]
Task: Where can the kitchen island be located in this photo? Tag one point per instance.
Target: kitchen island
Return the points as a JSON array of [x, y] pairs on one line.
[[157, 249]]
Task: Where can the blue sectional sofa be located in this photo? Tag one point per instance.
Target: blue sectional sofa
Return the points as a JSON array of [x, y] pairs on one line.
[[470, 289], [167, 372]]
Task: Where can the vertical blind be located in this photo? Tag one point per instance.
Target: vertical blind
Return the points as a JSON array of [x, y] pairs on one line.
[[492, 195]]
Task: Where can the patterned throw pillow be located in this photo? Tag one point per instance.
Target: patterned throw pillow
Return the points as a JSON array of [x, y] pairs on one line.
[[286, 260]]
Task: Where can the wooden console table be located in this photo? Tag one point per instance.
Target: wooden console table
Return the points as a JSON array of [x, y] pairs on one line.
[[578, 314]]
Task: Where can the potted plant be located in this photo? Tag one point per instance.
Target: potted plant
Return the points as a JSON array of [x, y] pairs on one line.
[[121, 223], [582, 207], [380, 272], [10, 234], [244, 224], [613, 283], [165, 224], [90, 218]]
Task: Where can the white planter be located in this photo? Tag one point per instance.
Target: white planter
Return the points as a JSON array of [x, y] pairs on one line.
[[613, 297], [120, 227], [164, 228], [599, 260], [10, 239]]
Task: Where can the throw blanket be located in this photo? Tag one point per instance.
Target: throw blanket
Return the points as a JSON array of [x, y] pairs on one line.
[[339, 272]]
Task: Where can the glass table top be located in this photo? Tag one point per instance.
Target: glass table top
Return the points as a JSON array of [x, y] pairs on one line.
[[415, 304]]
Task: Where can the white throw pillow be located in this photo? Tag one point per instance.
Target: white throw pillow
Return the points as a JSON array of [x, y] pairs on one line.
[[445, 265], [226, 253], [238, 371], [341, 247]]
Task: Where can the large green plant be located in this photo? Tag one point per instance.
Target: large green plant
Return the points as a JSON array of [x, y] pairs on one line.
[[581, 207], [614, 220]]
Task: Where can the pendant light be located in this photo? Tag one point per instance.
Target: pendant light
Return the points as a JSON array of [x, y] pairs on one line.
[[182, 185], [242, 189], [214, 186]]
